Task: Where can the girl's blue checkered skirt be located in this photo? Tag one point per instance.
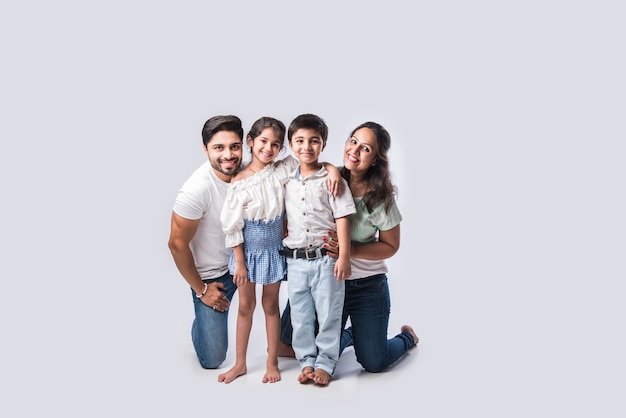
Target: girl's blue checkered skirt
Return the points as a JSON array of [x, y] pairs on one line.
[[261, 243]]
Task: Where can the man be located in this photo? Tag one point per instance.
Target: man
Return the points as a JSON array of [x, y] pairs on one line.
[[197, 242]]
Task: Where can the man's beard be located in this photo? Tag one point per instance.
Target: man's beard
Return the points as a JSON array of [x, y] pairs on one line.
[[228, 171]]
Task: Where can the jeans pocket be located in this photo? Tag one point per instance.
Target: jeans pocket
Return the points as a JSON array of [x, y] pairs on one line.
[[369, 282]]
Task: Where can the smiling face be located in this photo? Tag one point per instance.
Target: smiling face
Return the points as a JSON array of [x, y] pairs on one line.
[[307, 145], [265, 147], [360, 151], [225, 152]]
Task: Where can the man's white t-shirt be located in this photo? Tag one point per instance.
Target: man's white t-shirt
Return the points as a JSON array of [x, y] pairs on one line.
[[202, 197]]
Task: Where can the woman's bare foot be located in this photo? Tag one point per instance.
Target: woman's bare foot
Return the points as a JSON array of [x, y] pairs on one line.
[[306, 375], [272, 374], [236, 371], [284, 350], [407, 328], [321, 377]]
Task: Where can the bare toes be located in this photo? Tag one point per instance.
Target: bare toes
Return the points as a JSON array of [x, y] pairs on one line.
[[321, 377], [409, 329], [232, 374], [271, 376], [305, 376]]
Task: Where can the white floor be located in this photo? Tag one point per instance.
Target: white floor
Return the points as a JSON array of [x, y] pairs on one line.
[[350, 385], [122, 348]]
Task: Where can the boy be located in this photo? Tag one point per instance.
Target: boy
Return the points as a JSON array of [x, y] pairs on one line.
[[316, 280]]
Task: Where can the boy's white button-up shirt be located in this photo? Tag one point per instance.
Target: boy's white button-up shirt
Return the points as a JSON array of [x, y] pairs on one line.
[[312, 209]]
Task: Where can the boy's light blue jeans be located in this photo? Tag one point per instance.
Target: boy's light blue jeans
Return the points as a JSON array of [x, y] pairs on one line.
[[314, 290], [209, 331]]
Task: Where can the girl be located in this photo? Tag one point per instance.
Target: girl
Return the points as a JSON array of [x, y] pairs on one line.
[[253, 221]]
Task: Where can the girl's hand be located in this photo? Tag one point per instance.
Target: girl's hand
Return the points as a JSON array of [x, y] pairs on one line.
[[240, 276], [333, 180]]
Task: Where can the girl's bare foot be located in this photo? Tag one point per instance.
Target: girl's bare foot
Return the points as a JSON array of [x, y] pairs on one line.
[[236, 371], [272, 374], [408, 329], [321, 377], [306, 375]]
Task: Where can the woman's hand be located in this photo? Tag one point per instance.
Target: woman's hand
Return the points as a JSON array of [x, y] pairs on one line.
[[331, 244]]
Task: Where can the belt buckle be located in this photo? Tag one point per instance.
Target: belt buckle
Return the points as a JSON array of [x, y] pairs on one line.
[[310, 253]]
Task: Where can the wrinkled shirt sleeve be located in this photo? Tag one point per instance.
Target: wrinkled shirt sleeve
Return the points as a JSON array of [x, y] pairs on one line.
[[232, 217]]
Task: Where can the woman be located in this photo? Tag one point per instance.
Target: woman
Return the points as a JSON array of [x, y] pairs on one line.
[[375, 236]]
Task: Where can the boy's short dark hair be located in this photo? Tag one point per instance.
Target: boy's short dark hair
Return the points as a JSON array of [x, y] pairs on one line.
[[308, 121], [219, 123]]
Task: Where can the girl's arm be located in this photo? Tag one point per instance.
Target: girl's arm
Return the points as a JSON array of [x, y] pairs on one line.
[[240, 276], [232, 225], [232, 217], [333, 180]]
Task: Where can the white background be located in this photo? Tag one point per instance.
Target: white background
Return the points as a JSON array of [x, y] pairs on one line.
[[507, 125]]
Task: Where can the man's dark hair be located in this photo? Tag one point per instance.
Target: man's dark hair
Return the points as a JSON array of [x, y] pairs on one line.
[[219, 123]]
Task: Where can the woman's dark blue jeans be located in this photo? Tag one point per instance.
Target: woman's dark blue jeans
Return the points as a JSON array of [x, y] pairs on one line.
[[367, 304]]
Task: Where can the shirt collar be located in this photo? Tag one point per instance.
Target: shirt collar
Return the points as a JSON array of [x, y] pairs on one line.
[[319, 173]]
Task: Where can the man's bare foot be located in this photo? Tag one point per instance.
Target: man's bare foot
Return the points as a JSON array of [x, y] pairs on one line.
[[272, 374], [306, 375], [321, 377], [236, 371], [284, 350], [407, 328]]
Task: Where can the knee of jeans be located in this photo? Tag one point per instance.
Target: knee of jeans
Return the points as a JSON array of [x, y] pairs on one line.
[[210, 363], [371, 365], [209, 358], [373, 368]]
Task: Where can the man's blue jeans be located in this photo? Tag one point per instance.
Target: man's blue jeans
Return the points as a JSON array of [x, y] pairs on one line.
[[367, 303], [209, 331]]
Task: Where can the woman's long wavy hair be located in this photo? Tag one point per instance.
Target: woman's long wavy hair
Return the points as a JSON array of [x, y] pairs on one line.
[[378, 176]]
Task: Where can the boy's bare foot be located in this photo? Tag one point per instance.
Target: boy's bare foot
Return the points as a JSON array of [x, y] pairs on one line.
[[321, 377], [272, 374], [306, 375], [407, 328], [284, 350], [233, 373]]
